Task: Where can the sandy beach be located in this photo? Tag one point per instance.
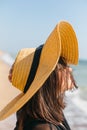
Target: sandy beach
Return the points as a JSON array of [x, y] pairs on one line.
[[76, 107], [5, 84], [9, 123]]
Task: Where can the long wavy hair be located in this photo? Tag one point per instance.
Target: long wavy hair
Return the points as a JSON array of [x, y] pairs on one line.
[[48, 103]]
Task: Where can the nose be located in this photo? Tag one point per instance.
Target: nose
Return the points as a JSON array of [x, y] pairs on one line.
[[70, 69]]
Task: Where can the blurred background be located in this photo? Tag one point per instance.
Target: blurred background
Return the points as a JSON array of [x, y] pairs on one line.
[[28, 24], [25, 24]]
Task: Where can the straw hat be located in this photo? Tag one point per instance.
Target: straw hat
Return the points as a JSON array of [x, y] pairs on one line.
[[33, 66]]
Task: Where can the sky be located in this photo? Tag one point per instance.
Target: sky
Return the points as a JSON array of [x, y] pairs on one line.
[[25, 23]]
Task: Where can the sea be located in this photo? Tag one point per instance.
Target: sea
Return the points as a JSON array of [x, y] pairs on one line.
[[80, 73]]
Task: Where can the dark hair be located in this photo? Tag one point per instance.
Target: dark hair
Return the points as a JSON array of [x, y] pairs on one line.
[[47, 104]]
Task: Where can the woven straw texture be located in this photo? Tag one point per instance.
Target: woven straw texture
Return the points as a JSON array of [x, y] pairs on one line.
[[61, 42]]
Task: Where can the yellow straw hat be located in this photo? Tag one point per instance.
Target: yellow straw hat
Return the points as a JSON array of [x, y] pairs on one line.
[[33, 66]]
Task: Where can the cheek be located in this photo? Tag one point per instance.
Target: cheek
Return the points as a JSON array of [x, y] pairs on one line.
[[62, 78], [69, 82], [66, 82]]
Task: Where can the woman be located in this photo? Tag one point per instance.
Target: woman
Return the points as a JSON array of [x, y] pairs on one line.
[[44, 109], [43, 75]]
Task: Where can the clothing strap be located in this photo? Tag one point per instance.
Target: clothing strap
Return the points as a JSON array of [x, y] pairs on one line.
[[56, 127], [50, 126]]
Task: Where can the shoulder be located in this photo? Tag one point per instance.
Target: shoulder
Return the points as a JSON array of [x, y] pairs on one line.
[[45, 126], [42, 126], [39, 125]]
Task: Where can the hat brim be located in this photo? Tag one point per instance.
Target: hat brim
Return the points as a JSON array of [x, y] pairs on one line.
[[51, 50]]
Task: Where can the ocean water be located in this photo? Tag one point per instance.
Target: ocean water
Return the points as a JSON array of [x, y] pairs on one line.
[[80, 73]]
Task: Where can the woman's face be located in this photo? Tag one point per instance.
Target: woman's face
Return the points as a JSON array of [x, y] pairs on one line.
[[67, 81]]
